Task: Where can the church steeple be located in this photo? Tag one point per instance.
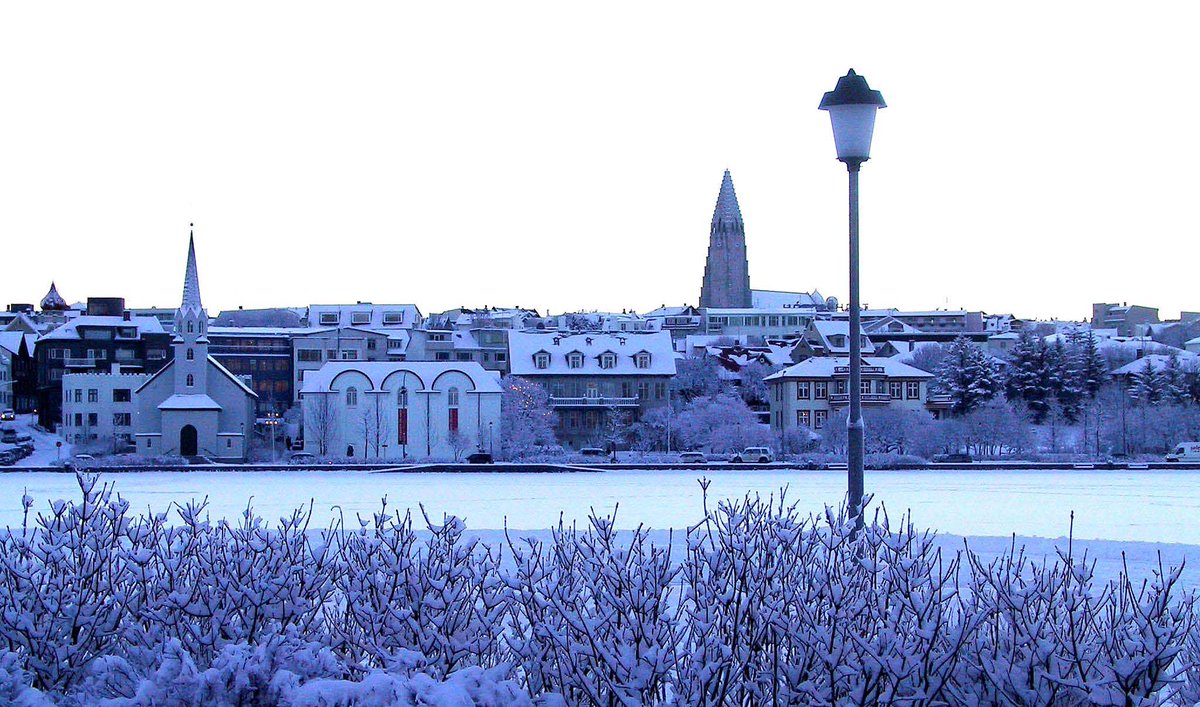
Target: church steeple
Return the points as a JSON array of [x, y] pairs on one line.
[[726, 271], [191, 326]]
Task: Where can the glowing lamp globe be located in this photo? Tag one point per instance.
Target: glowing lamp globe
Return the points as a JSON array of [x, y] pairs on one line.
[[852, 105]]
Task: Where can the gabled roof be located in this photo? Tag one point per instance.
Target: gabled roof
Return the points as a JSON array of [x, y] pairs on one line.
[[825, 329], [1157, 363], [214, 363], [70, 329], [522, 346], [823, 367]]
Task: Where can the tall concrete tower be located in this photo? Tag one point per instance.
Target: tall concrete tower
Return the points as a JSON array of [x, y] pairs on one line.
[[726, 271]]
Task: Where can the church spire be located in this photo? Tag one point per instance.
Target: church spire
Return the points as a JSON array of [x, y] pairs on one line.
[[727, 213], [191, 279]]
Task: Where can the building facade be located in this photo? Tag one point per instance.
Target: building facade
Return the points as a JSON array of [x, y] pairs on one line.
[[400, 409], [595, 379], [807, 394], [99, 408], [263, 354]]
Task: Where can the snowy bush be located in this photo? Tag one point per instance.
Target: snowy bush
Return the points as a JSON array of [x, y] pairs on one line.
[[99, 606]]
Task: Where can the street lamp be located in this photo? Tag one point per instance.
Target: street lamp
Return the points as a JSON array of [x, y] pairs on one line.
[[852, 105]]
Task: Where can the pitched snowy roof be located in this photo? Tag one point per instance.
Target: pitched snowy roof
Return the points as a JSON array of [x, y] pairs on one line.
[[364, 314], [70, 329], [10, 341], [778, 299], [189, 402], [824, 367], [426, 373], [522, 346], [827, 329], [1158, 362], [256, 331]]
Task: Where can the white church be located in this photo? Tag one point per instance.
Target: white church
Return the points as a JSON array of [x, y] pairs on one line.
[[193, 406]]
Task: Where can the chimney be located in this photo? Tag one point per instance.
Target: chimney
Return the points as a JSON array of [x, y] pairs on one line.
[[125, 315]]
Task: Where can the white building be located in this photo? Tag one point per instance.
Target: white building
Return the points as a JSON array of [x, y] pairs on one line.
[[99, 407], [194, 406], [398, 409], [804, 395]]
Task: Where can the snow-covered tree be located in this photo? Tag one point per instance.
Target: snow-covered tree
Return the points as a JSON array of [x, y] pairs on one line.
[[968, 375], [753, 388], [320, 421], [696, 377], [718, 423], [527, 420]]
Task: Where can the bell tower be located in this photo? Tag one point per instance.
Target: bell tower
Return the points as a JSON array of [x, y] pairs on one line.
[[726, 271], [191, 332]]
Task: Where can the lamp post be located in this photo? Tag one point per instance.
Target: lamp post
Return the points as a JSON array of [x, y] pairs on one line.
[[852, 106]]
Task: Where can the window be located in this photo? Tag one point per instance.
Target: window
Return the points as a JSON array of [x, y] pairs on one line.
[[331, 354], [122, 419], [58, 354], [822, 390], [360, 317], [642, 360], [452, 418], [501, 356], [864, 387], [644, 390], [308, 354], [803, 390], [393, 317], [370, 344], [191, 355], [191, 327], [79, 395], [349, 355], [155, 355], [803, 419], [913, 391], [93, 395], [93, 419], [452, 397], [462, 355], [574, 360], [329, 318], [442, 356], [191, 380], [660, 390], [626, 389], [541, 360], [351, 397], [608, 360], [79, 419], [894, 389], [819, 418], [839, 387]]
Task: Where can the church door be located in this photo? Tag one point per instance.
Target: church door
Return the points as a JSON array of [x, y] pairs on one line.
[[187, 441]]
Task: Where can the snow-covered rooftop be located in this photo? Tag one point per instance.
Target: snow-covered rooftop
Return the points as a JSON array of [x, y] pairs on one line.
[[523, 346], [1157, 362], [778, 299], [425, 372], [70, 329], [824, 367], [364, 314]]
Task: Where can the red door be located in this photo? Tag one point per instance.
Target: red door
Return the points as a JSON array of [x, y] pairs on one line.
[[402, 425], [454, 419]]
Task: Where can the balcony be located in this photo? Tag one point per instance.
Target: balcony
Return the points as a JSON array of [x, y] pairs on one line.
[[594, 402], [867, 398], [866, 370], [82, 362]]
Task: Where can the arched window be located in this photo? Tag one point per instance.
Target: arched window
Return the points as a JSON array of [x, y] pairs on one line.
[[191, 380], [402, 398], [351, 397], [191, 355], [190, 327], [452, 401]]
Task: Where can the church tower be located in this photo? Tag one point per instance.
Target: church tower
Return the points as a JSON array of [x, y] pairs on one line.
[[191, 340], [726, 271]]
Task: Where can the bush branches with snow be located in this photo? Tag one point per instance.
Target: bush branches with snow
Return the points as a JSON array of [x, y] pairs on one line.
[[764, 606]]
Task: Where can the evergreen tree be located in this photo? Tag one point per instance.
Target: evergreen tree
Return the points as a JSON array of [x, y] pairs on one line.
[[968, 375], [1095, 369], [1174, 379], [1069, 383], [1147, 386]]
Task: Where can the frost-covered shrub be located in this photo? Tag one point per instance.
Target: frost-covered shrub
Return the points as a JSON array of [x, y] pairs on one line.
[[766, 607]]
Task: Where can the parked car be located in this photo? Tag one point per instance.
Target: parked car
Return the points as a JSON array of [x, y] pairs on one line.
[[692, 458], [592, 452], [302, 458], [84, 458], [955, 458], [750, 455], [8, 415], [8, 435], [479, 458], [1185, 452]]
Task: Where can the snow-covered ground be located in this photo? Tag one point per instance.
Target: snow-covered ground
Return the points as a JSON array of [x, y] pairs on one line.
[[45, 453], [1139, 513]]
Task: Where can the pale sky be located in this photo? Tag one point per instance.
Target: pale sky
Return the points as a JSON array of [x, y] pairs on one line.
[[1034, 157]]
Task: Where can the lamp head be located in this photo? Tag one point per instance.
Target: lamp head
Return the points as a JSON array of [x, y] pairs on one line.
[[852, 106]]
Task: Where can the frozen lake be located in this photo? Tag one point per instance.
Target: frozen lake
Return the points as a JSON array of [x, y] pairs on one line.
[[1147, 506]]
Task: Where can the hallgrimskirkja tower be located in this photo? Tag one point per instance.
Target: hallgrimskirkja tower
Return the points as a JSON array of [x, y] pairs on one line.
[[726, 271]]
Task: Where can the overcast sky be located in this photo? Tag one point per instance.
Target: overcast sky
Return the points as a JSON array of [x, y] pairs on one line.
[[1034, 157]]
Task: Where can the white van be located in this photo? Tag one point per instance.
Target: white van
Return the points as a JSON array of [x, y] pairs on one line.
[[1185, 452]]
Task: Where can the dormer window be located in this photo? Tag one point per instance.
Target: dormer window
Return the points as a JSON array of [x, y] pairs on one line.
[[642, 360], [360, 317], [541, 360], [608, 360], [574, 360]]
